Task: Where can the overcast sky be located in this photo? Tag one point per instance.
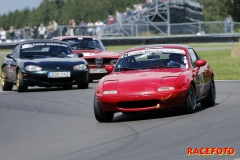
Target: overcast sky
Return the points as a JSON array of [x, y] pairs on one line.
[[12, 5]]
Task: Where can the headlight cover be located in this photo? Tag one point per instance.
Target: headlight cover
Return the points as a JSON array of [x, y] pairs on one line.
[[80, 67], [33, 68], [160, 89], [110, 92]]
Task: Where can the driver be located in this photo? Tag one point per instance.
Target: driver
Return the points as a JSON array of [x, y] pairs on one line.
[[58, 52], [54, 50], [176, 60]]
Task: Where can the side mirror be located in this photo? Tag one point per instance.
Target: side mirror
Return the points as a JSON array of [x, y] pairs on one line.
[[109, 68], [79, 55], [200, 62], [9, 56]]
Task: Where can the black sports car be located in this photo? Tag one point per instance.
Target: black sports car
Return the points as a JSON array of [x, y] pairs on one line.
[[44, 63]]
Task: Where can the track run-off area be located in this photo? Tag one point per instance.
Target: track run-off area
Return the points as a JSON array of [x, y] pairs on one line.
[[58, 124]]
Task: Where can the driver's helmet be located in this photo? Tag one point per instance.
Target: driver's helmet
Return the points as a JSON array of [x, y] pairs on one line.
[[176, 58]]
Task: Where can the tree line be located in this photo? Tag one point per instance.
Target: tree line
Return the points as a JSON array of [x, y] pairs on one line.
[[93, 10]]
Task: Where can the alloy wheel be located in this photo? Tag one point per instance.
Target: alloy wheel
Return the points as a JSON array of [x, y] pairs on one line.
[[3, 79], [18, 79], [192, 98]]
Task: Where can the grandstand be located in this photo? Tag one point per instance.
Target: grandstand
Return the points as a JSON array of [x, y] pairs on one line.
[[157, 17]]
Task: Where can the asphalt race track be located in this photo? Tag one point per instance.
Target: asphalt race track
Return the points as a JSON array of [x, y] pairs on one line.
[[57, 124]]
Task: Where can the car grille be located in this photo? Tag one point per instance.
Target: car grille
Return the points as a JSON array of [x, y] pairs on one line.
[[138, 104], [58, 80], [91, 61]]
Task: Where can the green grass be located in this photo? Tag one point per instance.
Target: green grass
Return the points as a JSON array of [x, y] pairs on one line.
[[5, 50], [224, 66], [194, 45]]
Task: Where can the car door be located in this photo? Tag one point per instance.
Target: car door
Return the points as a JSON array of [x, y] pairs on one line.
[[13, 64], [200, 73]]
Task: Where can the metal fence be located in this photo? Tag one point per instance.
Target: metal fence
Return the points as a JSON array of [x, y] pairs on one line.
[[148, 29]]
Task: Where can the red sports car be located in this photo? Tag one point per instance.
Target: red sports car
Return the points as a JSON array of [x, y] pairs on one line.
[[155, 77], [93, 52]]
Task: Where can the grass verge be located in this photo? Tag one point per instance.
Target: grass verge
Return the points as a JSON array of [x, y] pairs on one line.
[[224, 66], [194, 45]]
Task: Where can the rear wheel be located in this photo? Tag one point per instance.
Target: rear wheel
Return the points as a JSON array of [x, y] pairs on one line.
[[6, 86], [189, 105], [21, 87], [100, 115], [211, 97], [83, 85]]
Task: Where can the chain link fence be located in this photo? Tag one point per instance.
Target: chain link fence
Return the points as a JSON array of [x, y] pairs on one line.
[[152, 29]]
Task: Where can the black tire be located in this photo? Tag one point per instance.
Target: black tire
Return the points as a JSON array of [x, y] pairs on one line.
[[21, 87], [90, 80], [83, 85], [6, 86], [189, 105], [211, 97], [100, 115]]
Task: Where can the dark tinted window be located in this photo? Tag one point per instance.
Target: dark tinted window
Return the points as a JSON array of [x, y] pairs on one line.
[[193, 57], [16, 52], [45, 50], [84, 43], [152, 58]]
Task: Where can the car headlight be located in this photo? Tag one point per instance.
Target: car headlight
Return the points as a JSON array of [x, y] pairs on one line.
[[113, 62], [80, 67], [111, 92], [160, 89], [33, 68]]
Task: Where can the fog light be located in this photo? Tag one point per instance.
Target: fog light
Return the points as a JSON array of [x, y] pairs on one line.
[[166, 89], [110, 92]]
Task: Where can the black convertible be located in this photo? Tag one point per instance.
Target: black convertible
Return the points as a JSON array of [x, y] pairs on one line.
[[44, 63]]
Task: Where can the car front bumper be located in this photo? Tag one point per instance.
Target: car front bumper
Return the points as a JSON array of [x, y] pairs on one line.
[[141, 102], [41, 79]]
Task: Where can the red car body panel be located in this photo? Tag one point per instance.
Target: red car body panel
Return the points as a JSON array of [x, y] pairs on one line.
[[137, 90], [91, 55]]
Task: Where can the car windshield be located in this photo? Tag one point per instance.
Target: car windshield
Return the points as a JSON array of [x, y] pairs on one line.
[[38, 50], [84, 43], [152, 59]]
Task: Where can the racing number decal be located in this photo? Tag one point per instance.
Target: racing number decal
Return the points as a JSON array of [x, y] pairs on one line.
[[201, 83]]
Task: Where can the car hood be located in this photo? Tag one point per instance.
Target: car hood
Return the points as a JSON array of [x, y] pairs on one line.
[[138, 82], [140, 77], [97, 53]]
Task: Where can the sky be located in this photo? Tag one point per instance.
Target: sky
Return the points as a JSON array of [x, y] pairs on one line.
[[12, 5]]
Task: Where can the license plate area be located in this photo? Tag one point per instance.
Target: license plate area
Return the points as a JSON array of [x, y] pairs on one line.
[[59, 74], [98, 70]]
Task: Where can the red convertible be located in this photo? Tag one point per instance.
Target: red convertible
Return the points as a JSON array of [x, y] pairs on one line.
[[155, 77], [93, 52]]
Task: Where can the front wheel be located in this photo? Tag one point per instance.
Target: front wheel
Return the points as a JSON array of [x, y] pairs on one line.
[[21, 87], [189, 105], [100, 115], [211, 97], [6, 86]]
